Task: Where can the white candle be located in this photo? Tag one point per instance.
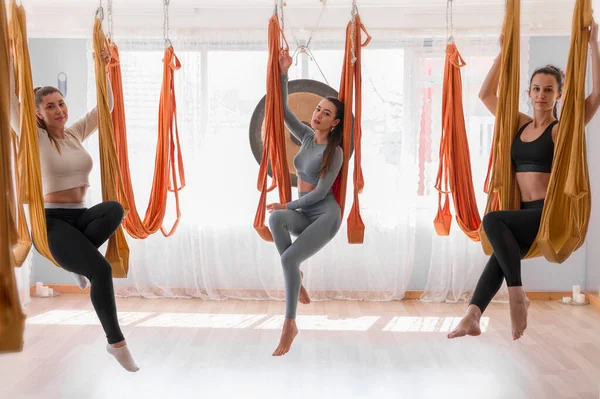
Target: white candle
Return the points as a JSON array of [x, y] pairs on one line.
[[50, 292], [566, 299], [39, 286], [45, 291], [581, 298], [576, 292]]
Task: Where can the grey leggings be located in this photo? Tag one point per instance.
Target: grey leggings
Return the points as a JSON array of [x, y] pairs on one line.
[[314, 226]]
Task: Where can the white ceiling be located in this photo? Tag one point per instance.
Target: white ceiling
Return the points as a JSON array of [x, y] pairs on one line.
[[74, 18], [290, 3]]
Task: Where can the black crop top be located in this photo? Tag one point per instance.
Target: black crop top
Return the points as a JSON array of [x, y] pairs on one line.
[[536, 155]]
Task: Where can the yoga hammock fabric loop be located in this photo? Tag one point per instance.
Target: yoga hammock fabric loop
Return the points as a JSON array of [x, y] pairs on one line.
[[454, 173], [21, 250], [350, 94], [274, 151], [567, 205], [117, 252], [29, 170], [12, 319]]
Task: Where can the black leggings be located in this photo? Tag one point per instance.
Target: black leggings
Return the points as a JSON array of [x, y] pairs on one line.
[[74, 236], [511, 234]]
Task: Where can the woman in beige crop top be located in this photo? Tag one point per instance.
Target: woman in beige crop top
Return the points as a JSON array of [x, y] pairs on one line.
[[74, 232], [65, 164]]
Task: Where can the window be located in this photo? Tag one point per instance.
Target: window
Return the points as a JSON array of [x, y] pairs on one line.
[[220, 84]]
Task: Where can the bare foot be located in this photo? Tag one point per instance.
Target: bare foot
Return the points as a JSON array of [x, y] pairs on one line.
[[469, 325], [519, 305], [288, 333], [303, 297]]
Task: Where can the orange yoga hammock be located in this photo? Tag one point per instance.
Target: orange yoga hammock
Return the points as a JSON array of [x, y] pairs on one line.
[[351, 94], [566, 213], [12, 319], [274, 142], [165, 150], [454, 173], [274, 152]]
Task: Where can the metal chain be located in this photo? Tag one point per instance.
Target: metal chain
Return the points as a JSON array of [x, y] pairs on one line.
[[166, 23], [281, 4], [278, 11], [449, 22], [110, 20], [354, 11]]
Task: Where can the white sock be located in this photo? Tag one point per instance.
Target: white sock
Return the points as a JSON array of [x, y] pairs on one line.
[[123, 357], [82, 282]]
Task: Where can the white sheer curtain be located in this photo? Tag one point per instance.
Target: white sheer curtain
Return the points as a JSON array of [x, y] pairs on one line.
[[22, 276], [458, 263], [215, 252]]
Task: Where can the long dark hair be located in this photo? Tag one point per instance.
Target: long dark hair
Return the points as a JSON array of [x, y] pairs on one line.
[[39, 94], [553, 71], [335, 137]]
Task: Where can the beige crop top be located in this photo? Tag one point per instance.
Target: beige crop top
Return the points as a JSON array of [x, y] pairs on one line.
[[72, 166]]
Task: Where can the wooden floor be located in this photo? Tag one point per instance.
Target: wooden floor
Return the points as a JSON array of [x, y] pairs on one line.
[[205, 349]]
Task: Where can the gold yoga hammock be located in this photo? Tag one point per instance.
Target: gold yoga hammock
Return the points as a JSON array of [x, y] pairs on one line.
[[29, 182], [117, 252], [567, 206], [29, 173], [12, 319]]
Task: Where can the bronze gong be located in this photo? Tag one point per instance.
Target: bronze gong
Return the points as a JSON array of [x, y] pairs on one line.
[[303, 97]]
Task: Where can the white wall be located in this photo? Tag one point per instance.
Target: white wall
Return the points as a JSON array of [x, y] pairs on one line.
[[592, 281], [49, 57], [538, 274]]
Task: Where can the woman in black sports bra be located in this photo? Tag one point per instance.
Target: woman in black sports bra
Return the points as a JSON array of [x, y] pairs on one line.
[[512, 233]]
